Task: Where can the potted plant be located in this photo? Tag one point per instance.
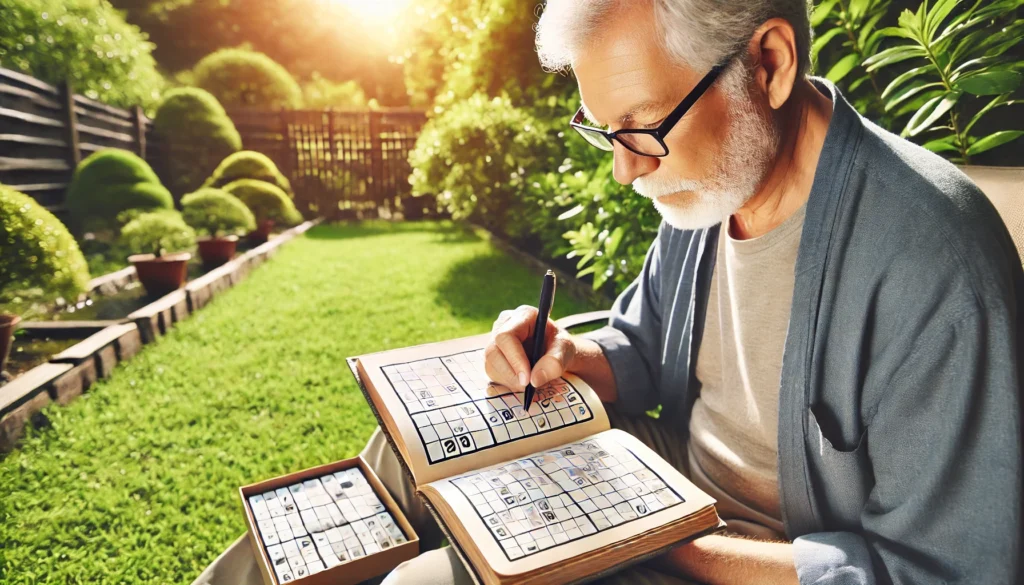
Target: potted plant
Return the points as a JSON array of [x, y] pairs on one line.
[[160, 240], [220, 217], [40, 263], [268, 203]]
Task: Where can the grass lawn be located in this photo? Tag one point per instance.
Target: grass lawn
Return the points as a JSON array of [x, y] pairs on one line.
[[136, 481]]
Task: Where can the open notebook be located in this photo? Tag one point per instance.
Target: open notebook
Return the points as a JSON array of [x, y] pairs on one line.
[[549, 495]]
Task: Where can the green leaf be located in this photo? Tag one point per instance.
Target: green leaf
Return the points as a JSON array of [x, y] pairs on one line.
[[903, 77], [858, 82], [944, 144], [823, 40], [997, 102], [907, 93], [897, 31], [993, 140], [611, 245], [571, 212], [894, 55], [930, 112], [989, 82], [868, 27], [940, 10], [857, 9], [843, 67], [821, 12]]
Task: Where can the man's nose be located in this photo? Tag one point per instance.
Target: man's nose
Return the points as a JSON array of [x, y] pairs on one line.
[[628, 165]]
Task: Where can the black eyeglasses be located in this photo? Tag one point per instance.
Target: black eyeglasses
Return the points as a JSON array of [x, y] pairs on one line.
[[646, 142]]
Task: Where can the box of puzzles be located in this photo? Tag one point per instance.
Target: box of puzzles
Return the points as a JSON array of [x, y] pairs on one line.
[[334, 524]]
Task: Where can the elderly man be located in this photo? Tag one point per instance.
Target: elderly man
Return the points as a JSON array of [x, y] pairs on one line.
[[829, 318]]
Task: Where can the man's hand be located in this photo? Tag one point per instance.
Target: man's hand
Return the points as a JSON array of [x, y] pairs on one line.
[[506, 361], [505, 358]]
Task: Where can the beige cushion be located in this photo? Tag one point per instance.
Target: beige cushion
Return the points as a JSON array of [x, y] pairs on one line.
[[1005, 188]]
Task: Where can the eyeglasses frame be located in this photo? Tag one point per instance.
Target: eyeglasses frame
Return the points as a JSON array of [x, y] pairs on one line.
[[667, 124]]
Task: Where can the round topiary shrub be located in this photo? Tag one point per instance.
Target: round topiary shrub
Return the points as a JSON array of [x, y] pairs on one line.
[[109, 182], [242, 78], [194, 134], [216, 213], [266, 201], [157, 232], [248, 164], [39, 260]]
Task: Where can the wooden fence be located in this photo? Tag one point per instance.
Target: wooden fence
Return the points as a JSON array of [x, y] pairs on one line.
[[337, 160]]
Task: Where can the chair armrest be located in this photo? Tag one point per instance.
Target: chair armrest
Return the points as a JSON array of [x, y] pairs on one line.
[[581, 319]]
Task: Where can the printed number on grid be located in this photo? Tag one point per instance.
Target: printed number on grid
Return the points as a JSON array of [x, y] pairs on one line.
[[562, 495], [457, 411]]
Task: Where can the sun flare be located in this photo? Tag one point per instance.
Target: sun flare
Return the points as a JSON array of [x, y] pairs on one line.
[[376, 12]]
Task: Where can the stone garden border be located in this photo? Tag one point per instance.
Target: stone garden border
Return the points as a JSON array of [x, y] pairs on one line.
[[70, 373]]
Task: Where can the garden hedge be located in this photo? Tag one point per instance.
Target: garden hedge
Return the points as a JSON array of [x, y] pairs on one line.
[[266, 201], [40, 260], [248, 164], [242, 78], [215, 212], [108, 183], [195, 134]]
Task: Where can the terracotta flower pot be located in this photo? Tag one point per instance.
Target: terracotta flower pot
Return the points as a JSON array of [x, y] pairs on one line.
[[262, 232], [161, 275], [8, 323], [217, 251]]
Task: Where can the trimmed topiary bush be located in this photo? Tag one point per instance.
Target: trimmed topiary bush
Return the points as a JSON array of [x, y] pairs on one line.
[[242, 78], [39, 260], [248, 164], [215, 212], [266, 201], [195, 134], [108, 183], [157, 232]]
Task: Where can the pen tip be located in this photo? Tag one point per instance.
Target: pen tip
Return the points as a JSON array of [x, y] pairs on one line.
[[549, 273]]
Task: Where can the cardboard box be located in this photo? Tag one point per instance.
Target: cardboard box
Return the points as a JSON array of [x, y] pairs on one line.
[[347, 573]]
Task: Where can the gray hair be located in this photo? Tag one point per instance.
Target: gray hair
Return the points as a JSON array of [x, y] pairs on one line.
[[696, 33]]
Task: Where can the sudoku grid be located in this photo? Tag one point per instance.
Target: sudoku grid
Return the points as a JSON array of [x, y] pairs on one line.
[[448, 400], [562, 495], [322, 522]]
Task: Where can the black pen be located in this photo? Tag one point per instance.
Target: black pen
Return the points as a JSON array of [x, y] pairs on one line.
[[547, 298]]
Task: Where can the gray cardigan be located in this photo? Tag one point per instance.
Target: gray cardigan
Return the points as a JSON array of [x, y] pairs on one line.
[[899, 404]]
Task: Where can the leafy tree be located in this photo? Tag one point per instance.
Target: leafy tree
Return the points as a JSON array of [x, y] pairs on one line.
[[85, 41], [241, 78]]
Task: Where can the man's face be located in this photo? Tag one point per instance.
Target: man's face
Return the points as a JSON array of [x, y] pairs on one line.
[[718, 152]]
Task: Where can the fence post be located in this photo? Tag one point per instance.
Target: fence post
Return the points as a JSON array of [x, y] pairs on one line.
[[376, 157], [71, 121], [138, 119]]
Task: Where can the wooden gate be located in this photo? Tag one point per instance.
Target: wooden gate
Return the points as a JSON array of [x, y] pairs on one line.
[[341, 163]]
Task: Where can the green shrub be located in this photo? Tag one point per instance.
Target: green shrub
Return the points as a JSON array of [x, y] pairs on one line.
[[245, 78], [248, 164], [266, 201], [476, 156], [195, 134], [157, 232], [108, 183], [39, 259], [215, 212], [85, 41]]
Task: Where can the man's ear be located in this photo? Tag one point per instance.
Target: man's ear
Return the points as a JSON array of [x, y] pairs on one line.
[[773, 49]]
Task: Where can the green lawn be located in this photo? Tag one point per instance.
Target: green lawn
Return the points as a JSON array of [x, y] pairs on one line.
[[136, 482]]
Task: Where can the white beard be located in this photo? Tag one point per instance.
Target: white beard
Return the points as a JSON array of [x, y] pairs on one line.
[[749, 147]]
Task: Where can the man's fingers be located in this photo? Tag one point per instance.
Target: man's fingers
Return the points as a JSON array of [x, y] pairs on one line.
[[560, 352], [515, 356], [497, 367]]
